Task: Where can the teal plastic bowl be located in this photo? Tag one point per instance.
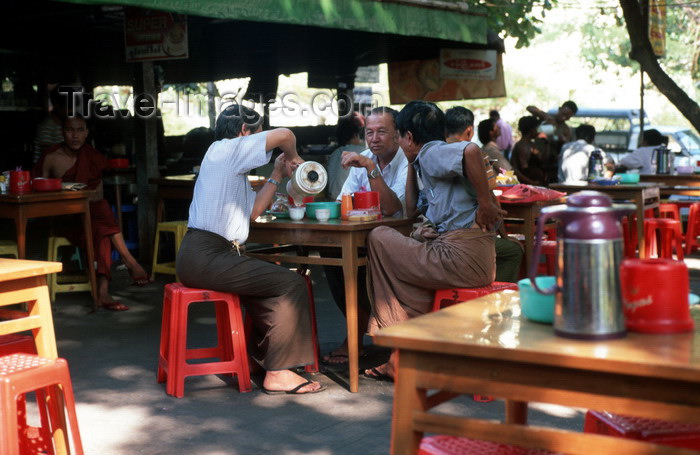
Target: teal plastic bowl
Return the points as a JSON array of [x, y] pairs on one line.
[[629, 178], [312, 206], [535, 306]]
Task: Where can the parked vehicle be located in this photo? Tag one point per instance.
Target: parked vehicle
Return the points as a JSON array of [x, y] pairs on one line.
[[617, 131]]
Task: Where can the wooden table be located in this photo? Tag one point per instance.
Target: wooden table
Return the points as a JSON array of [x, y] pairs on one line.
[[181, 187], [528, 212], [644, 195], [22, 207], [349, 236], [484, 346]]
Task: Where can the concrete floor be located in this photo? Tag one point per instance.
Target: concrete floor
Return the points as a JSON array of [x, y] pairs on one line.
[[122, 410]]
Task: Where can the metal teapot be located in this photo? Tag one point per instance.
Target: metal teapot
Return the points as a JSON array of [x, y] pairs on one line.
[[589, 253], [309, 179]]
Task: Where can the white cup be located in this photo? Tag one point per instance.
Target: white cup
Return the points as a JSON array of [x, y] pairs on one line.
[[323, 214], [296, 213]]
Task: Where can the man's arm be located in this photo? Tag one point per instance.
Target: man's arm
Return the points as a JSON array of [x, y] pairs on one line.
[[488, 215], [264, 197], [539, 113], [389, 202], [411, 192]]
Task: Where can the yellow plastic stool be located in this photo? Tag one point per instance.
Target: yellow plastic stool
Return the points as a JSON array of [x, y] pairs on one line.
[[178, 228], [54, 286], [8, 248]]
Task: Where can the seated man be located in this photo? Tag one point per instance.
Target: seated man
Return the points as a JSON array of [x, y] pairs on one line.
[[574, 158], [75, 161], [454, 249], [642, 157], [380, 168], [489, 131], [459, 126], [349, 135], [212, 257]]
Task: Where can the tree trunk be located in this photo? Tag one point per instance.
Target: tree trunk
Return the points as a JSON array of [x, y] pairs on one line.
[[642, 52]]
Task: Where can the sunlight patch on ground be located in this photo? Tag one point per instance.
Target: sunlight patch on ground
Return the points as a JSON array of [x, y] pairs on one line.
[[127, 372], [564, 412], [346, 407], [692, 263]]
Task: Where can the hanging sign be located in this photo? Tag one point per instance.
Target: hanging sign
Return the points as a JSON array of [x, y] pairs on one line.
[[468, 64], [657, 26], [154, 35]]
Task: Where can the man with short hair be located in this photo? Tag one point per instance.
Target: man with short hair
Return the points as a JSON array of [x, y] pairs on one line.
[[559, 134], [382, 168], [575, 156], [211, 255], [459, 124], [642, 157], [454, 249], [76, 161], [489, 132]]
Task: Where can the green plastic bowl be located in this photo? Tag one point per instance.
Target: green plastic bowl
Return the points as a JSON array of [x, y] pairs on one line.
[[535, 306], [629, 178], [312, 206]]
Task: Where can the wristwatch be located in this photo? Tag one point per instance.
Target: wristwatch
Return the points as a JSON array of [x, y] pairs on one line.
[[374, 173]]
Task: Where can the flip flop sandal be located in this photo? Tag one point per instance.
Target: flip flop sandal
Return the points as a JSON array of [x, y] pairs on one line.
[[295, 390], [377, 375], [114, 306]]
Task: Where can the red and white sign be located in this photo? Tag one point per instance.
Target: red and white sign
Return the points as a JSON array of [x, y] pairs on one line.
[[463, 64], [154, 35]]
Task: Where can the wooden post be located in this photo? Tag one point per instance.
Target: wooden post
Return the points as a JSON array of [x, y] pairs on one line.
[[145, 155]]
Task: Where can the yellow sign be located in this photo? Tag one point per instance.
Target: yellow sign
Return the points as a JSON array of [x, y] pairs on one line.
[[657, 26]]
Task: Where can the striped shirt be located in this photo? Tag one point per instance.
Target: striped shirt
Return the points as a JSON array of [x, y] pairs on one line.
[[223, 198], [48, 133]]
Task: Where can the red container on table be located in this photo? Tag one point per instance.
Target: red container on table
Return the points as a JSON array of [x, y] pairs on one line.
[[366, 200], [20, 182], [655, 295]]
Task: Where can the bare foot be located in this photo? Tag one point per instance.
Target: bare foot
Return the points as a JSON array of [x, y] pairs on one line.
[[105, 300], [138, 274], [286, 381], [339, 355], [383, 372]]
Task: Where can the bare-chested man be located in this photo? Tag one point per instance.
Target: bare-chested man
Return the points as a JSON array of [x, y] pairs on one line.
[[75, 161]]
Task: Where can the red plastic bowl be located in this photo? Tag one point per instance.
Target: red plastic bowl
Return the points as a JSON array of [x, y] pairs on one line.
[[42, 184], [118, 162]]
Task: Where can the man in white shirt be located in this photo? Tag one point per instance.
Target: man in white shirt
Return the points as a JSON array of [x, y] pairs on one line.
[[211, 255], [574, 157], [642, 157], [382, 168]]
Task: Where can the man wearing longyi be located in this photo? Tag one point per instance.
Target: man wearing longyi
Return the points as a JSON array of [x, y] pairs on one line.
[[211, 255], [455, 249], [76, 161]]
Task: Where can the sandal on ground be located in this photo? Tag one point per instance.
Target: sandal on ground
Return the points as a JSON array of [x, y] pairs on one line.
[[295, 390], [374, 373], [142, 281], [114, 306]]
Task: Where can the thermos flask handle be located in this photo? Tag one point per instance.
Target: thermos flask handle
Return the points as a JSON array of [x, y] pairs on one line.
[[541, 221]]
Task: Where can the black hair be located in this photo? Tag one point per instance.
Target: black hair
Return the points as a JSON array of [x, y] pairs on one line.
[[653, 137], [571, 105], [528, 123], [586, 132], [230, 122], [457, 119], [424, 120], [73, 117], [385, 110], [484, 130], [494, 114], [347, 128]]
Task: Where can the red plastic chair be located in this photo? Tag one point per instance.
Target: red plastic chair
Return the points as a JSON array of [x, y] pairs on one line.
[[454, 445], [669, 231], [629, 236], [446, 297], [669, 210], [692, 231], [677, 434], [23, 373], [231, 349]]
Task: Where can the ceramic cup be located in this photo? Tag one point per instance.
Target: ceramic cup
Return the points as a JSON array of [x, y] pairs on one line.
[[296, 213], [323, 214]]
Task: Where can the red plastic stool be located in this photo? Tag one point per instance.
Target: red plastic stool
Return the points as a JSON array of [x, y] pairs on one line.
[[677, 434], [692, 230], [447, 297], [24, 373], [669, 210], [453, 445], [231, 349], [670, 232], [549, 251]]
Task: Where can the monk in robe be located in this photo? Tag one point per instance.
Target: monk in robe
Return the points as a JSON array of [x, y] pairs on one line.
[[75, 161]]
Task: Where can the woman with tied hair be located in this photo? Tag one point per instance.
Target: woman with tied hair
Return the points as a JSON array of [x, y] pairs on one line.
[[212, 254]]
